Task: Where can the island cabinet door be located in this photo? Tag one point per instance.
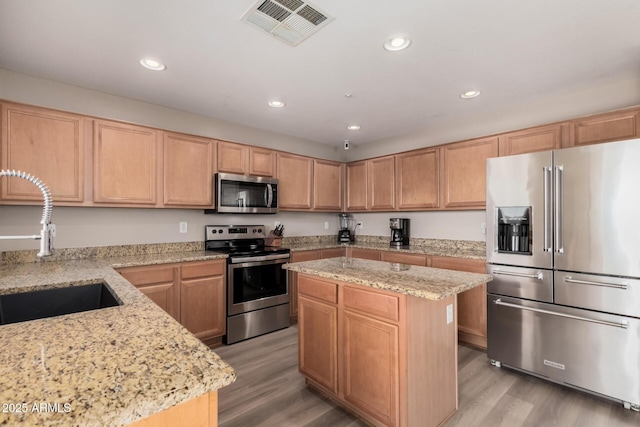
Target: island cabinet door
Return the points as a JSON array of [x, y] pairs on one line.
[[317, 341], [370, 366]]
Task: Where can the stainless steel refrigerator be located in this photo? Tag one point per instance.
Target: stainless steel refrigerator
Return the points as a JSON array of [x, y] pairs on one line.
[[563, 247]]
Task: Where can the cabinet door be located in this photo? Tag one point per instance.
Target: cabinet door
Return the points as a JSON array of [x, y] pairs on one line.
[[418, 178], [371, 371], [541, 138], [188, 170], [381, 184], [125, 163], [465, 176], [202, 298], [47, 144], [262, 162], [298, 256], [357, 186], [333, 253], [607, 127], [317, 342], [472, 305], [327, 185], [411, 259], [295, 179], [159, 283], [233, 158], [364, 253]]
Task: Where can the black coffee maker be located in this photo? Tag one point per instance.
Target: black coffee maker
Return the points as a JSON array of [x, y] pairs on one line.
[[399, 232]]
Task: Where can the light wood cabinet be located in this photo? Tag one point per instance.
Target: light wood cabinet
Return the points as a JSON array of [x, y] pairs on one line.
[[472, 304], [418, 179], [381, 183], [47, 144], [295, 180], [184, 153], [464, 168], [192, 292], [614, 126], [233, 158], [126, 169], [201, 411], [333, 253], [357, 186], [541, 138], [404, 258], [390, 348], [262, 162], [328, 184], [202, 298], [372, 254], [298, 256]]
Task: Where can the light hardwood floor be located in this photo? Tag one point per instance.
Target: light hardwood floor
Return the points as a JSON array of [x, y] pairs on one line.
[[269, 392]]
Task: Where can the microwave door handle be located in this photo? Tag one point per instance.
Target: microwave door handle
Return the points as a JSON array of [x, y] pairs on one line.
[[269, 195]]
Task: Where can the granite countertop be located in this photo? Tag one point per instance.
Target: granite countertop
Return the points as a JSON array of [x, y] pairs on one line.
[[106, 367], [422, 282]]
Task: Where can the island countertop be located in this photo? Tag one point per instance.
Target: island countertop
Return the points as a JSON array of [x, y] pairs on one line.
[[422, 282], [105, 367]]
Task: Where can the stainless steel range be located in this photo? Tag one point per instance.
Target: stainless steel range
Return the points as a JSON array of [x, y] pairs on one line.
[[562, 247], [257, 287]]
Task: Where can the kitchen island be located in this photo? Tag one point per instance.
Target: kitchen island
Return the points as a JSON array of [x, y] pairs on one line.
[[380, 338], [107, 367]]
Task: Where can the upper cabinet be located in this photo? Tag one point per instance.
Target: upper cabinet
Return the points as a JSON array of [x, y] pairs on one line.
[[295, 182], [196, 155], [357, 186], [464, 170], [606, 127], [262, 162], [47, 144], [540, 138], [126, 169], [417, 177], [381, 183], [233, 158], [327, 185]]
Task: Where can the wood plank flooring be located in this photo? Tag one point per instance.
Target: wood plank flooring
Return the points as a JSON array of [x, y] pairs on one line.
[[269, 392]]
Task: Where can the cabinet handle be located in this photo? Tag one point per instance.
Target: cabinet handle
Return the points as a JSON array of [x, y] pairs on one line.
[[623, 324], [548, 211], [558, 216], [622, 286], [538, 276]]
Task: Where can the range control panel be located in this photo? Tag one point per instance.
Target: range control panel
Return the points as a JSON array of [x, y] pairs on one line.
[[231, 232]]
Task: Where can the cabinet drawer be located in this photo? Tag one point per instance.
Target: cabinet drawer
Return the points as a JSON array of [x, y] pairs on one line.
[[365, 253], [140, 276], [319, 289], [404, 258], [378, 304], [333, 253], [203, 269], [304, 256]]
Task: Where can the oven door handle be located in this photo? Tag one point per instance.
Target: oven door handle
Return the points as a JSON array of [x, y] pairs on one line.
[[622, 324], [271, 259]]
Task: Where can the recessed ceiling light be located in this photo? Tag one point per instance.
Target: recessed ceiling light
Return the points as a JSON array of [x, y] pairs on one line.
[[152, 64], [470, 94], [276, 103], [397, 42], [353, 127]]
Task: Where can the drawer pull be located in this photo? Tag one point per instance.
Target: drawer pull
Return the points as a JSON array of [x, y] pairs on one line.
[[539, 275], [622, 286], [623, 324]]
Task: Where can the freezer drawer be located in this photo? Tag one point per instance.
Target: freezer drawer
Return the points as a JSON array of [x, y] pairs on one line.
[[593, 351], [520, 282], [603, 293]]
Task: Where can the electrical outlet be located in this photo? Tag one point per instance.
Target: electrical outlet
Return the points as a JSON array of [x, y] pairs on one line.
[[183, 227], [449, 313], [326, 225], [360, 225], [483, 228]]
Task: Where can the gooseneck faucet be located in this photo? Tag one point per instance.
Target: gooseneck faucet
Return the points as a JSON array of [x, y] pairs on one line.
[[46, 234]]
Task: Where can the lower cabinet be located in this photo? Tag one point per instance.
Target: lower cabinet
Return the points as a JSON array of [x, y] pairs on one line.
[[198, 412], [387, 357], [192, 292]]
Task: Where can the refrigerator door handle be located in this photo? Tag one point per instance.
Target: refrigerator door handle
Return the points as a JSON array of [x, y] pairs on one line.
[[539, 275], [622, 286], [558, 210], [548, 210], [623, 324]]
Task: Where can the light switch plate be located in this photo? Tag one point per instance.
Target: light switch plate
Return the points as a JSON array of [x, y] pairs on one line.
[[449, 313]]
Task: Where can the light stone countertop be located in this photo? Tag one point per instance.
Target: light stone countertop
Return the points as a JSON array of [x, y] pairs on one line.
[[422, 282], [106, 367]]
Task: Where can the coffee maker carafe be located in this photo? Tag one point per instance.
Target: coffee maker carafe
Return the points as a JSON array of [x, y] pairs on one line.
[[345, 235], [399, 232]]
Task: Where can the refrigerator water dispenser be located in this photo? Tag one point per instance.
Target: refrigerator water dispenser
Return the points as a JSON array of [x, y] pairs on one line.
[[514, 229]]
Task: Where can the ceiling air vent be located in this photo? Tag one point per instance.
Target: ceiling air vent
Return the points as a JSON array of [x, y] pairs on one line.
[[290, 21]]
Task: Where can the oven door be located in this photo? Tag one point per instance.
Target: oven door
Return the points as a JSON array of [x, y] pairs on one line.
[[255, 285]]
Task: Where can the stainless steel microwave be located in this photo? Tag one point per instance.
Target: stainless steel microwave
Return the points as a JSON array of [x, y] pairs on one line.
[[245, 194]]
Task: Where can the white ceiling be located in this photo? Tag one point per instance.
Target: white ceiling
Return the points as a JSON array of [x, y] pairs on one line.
[[221, 67]]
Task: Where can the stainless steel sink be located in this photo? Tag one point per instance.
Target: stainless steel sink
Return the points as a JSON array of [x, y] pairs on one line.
[[41, 304]]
